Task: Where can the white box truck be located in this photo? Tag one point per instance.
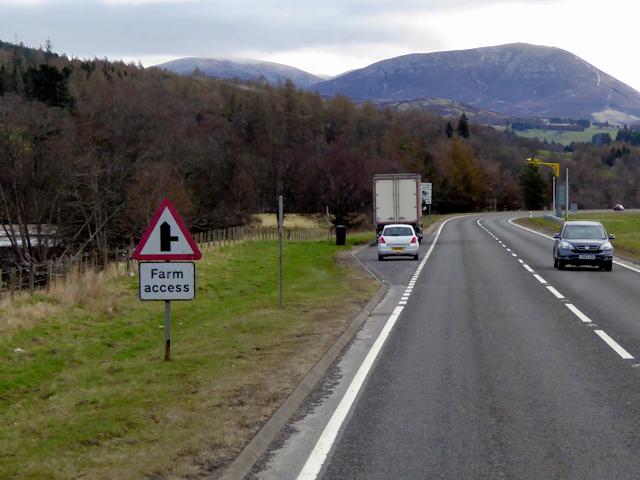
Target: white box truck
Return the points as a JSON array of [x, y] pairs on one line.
[[397, 198]]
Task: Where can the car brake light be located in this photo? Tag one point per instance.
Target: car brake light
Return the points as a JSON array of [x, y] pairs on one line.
[[382, 240], [414, 240]]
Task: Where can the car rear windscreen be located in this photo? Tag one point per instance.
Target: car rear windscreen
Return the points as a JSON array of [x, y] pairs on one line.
[[398, 232]]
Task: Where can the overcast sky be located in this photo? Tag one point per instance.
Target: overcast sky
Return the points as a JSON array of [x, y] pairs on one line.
[[324, 37]]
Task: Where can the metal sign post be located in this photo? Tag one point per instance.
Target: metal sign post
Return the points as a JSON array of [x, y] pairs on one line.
[[280, 230], [328, 226], [167, 238], [167, 329]]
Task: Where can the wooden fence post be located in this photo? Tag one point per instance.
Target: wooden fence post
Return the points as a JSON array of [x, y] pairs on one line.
[[12, 287], [49, 269], [32, 274]]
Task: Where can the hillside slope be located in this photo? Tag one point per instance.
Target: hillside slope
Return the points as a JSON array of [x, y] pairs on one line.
[[515, 79], [242, 69]]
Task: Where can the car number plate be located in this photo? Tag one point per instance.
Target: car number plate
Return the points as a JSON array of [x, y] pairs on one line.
[[587, 257], [397, 248]]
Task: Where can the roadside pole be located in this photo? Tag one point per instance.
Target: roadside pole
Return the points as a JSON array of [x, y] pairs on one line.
[[167, 329], [281, 232], [566, 209], [328, 226]]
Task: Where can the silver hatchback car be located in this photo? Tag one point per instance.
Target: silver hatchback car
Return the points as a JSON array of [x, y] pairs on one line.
[[583, 243], [396, 240]]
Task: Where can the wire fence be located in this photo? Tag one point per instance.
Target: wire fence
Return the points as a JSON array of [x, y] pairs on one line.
[[43, 276]]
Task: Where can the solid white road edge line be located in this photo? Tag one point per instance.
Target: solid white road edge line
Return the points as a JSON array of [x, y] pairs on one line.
[[618, 349], [317, 458]]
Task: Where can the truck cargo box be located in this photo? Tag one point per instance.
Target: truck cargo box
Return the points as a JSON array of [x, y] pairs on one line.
[[397, 198]]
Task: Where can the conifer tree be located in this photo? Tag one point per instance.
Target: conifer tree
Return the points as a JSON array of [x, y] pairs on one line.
[[449, 130], [463, 126], [533, 187]]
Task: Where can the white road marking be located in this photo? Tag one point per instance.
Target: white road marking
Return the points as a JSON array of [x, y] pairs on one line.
[[618, 349], [529, 269], [540, 279], [578, 313], [321, 450], [555, 292]]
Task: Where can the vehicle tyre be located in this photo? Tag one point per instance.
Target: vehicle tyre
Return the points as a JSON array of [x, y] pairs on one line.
[[607, 266], [561, 264], [555, 263], [415, 257], [380, 257]]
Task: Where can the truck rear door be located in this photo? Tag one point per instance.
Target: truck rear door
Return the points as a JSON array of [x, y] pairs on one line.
[[385, 201], [407, 195]]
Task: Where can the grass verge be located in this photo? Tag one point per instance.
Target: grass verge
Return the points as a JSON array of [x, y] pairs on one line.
[[85, 391]]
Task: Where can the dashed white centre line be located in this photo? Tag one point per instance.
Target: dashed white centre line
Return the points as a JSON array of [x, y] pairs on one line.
[[540, 279], [578, 313], [555, 292], [617, 348], [529, 269]]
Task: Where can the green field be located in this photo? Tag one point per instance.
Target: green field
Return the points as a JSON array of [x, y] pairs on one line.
[[565, 138], [85, 391]]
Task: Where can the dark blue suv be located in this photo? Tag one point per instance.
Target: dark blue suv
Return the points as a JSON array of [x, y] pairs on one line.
[[583, 243]]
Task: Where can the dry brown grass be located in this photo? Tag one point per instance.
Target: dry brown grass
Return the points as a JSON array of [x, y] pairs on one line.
[[90, 290], [292, 220]]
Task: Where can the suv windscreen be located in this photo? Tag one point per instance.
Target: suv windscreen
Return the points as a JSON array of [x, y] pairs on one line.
[[586, 232]]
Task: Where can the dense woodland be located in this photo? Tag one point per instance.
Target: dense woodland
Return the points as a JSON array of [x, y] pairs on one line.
[[89, 148]]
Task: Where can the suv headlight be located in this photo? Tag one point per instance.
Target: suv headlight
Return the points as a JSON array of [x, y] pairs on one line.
[[606, 246], [565, 244]]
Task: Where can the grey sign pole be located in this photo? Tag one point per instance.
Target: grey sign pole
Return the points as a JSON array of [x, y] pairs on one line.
[[280, 230], [328, 226], [167, 329]]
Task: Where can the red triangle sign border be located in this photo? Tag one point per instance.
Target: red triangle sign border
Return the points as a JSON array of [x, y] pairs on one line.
[[166, 204]]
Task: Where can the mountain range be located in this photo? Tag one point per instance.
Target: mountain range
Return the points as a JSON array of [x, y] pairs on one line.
[[515, 80], [244, 70]]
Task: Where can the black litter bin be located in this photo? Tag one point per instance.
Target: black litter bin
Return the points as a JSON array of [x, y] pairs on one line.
[[341, 235]]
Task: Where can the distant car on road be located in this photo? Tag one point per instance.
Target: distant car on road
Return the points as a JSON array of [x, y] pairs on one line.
[[618, 208], [583, 243], [396, 240]]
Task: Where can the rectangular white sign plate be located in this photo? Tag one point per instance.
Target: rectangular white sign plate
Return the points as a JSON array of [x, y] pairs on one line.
[[167, 280]]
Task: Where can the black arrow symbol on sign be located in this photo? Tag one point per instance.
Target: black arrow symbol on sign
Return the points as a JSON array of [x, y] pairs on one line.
[[166, 238]]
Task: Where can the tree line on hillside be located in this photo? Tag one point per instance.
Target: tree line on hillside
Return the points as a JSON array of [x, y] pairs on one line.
[[88, 150]]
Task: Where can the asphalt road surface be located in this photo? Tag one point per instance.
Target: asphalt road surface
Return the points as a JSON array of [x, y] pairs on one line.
[[484, 362]]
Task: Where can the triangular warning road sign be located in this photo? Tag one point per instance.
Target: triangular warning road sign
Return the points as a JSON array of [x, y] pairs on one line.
[[167, 238]]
